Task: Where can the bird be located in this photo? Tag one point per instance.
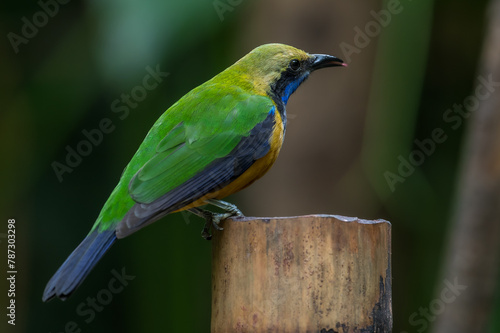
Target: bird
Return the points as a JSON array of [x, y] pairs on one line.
[[214, 141]]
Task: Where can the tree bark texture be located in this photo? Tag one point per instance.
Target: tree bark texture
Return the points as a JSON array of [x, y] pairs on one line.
[[315, 273]]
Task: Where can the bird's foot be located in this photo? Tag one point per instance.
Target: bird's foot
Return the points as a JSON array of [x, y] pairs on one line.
[[212, 219]]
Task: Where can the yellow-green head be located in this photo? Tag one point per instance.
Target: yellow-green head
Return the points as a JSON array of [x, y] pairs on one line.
[[275, 69]]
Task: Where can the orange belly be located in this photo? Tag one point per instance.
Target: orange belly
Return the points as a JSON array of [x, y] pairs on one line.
[[257, 170]]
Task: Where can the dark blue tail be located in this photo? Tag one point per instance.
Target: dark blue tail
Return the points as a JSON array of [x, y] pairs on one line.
[[79, 264]]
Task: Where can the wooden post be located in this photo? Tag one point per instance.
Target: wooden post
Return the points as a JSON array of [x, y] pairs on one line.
[[315, 273]]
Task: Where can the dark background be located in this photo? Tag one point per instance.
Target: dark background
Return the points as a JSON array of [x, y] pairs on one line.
[[347, 128]]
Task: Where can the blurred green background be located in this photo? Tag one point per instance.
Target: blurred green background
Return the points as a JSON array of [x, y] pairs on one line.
[[347, 127]]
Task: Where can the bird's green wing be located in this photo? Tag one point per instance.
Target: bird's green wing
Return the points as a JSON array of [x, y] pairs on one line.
[[214, 136]]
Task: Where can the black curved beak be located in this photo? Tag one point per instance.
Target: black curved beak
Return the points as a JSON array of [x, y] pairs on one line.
[[325, 60]]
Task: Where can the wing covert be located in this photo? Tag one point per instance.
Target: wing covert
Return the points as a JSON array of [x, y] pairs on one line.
[[207, 137]]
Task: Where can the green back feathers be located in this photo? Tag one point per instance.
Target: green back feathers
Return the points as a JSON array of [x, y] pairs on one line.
[[206, 125]]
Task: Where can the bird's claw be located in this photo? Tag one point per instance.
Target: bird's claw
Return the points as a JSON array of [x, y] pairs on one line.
[[212, 220], [205, 233]]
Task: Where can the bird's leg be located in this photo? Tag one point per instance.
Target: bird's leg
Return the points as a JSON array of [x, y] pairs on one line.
[[211, 220], [227, 206]]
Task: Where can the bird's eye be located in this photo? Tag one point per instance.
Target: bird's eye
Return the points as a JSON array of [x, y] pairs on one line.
[[294, 65]]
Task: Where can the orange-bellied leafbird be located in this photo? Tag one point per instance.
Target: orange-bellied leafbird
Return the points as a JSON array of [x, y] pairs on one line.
[[216, 140]]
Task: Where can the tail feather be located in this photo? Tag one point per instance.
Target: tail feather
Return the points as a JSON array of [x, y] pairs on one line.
[[79, 264]]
